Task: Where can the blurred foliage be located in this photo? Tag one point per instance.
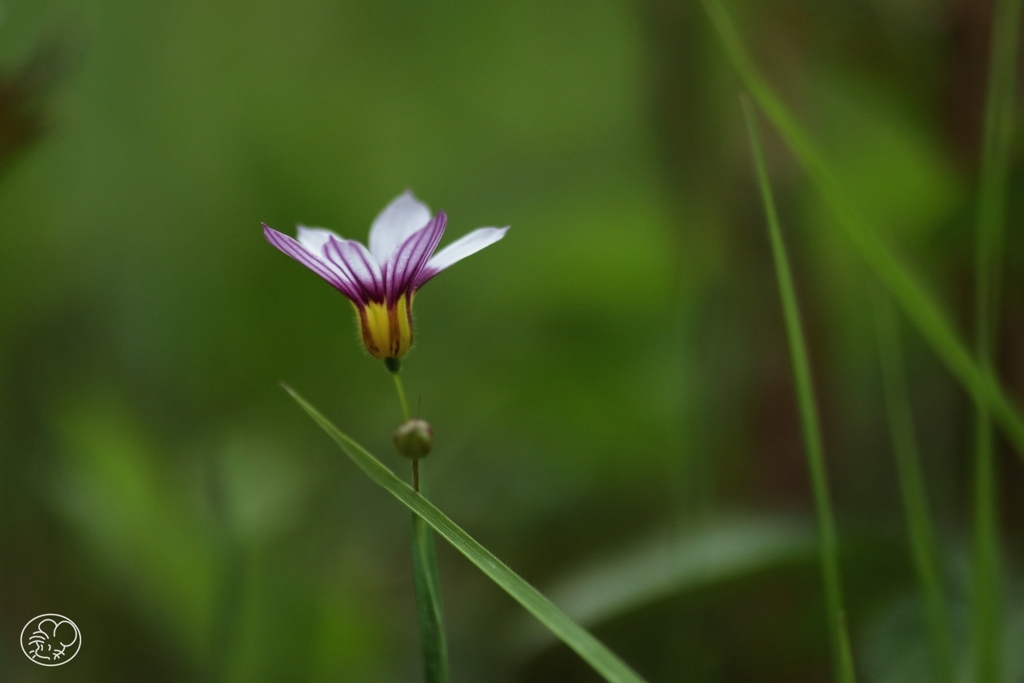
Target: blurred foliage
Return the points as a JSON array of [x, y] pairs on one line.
[[615, 366]]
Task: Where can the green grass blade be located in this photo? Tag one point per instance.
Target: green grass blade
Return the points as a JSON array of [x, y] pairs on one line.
[[428, 603], [603, 660], [842, 653], [915, 498], [990, 218], [986, 580], [916, 302], [995, 162]]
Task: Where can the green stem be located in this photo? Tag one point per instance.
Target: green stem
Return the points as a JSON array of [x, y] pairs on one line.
[[842, 652], [918, 304], [987, 636], [990, 217], [428, 603], [405, 414], [915, 498], [426, 582], [401, 395], [605, 662]]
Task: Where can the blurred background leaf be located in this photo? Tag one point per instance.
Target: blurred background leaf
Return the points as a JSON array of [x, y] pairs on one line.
[[676, 562]]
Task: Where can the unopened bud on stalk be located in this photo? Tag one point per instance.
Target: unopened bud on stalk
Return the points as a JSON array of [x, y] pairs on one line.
[[414, 438]]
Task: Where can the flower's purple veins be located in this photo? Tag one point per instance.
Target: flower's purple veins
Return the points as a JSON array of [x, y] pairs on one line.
[[360, 264], [381, 281], [337, 279], [411, 256]]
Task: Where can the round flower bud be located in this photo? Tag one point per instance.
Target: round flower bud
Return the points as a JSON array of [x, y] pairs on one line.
[[414, 438]]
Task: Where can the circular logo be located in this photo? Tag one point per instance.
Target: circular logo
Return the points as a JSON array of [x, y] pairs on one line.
[[50, 640]]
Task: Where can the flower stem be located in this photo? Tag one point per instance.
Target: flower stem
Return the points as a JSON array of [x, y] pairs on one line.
[[401, 395], [428, 603], [405, 414], [426, 583]]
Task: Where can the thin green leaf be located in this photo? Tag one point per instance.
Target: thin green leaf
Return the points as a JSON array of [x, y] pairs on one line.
[[428, 604], [842, 653], [603, 660], [990, 218], [915, 498], [917, 303]]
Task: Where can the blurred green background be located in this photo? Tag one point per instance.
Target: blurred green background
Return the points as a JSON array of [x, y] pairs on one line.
[[609, 386]]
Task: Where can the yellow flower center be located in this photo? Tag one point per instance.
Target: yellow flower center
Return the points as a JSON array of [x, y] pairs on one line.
[[386, 330]]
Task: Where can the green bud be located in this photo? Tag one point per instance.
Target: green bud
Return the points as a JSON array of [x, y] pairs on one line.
[[414, 438]]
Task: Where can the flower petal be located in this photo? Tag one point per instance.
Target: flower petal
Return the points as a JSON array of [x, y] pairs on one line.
[[459, 249], [315, 239], [411, 256], [353, 257], [399, 219], [339, 279]]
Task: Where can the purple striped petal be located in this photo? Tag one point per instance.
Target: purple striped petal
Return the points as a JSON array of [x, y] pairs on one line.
[[456, 251], [411, 256], [399, 219], [340, 280], [357, 261]]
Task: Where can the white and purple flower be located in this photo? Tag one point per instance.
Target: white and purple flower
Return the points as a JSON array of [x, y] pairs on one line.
[[381, 281]]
